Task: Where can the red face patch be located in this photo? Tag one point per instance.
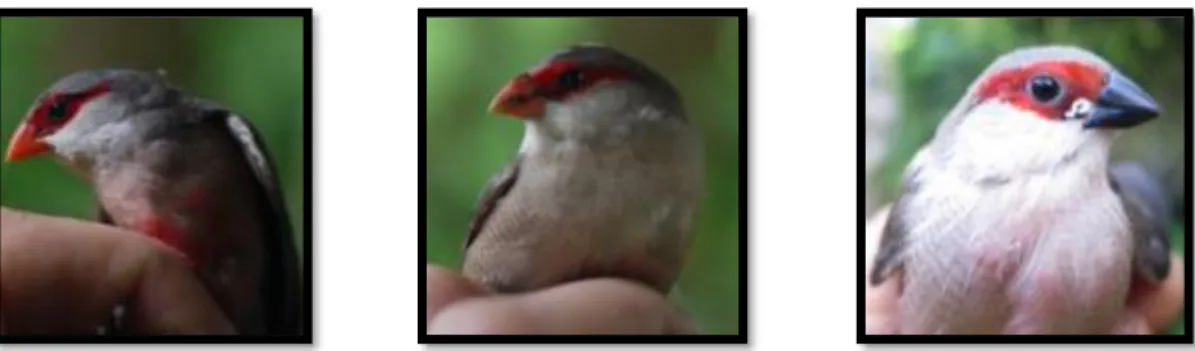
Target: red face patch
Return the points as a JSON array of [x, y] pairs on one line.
[[1029, 86], [56, 110]]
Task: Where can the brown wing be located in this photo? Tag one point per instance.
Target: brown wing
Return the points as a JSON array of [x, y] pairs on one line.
[[493, 193], [281, 288]]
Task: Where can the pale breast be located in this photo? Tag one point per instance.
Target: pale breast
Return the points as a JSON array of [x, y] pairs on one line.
[[1037, 255], [124, 192], [578, 215]]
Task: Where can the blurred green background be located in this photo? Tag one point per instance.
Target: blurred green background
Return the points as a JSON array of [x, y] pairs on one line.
[[469, 59], [253, 66], [917, 69]]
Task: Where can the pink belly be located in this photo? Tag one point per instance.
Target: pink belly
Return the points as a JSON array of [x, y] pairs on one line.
[[1023, 285]]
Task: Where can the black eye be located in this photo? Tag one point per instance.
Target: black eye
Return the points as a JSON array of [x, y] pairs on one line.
[[570, 79], [57, 110], [1045, 89], [518, 100]]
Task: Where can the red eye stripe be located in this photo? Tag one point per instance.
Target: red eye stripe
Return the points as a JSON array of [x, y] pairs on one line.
[[1078, 79], [547, 78], [59, 108]]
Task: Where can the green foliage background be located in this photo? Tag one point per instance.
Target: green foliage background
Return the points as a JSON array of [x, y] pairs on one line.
[[469, 59], [253, 66], [935, 60]]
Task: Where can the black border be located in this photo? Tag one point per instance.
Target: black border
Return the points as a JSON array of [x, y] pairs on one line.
[[861, 336], [742, 337], [308, 152]]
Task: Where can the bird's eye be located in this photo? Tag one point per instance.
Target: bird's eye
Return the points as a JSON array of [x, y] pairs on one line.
[[518, 100], [57, 110], [1045, 89], [570, 79]]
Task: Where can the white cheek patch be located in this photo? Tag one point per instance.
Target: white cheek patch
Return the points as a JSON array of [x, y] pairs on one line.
[[1000, 139], [1079, 109], [83, 139]]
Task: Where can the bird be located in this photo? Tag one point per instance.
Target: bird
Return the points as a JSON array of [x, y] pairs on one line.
[[183, 170], [606, 181], [1010, 219]]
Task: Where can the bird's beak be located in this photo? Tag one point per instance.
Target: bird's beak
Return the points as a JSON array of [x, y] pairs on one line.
[[25, 144], [1121, 104], [518, 99]]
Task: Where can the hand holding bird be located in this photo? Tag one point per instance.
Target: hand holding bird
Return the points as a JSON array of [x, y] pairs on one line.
[[183, 170], [62, 276], [456, 305]]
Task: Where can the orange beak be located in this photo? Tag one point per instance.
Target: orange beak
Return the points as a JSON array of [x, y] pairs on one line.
[[25, 144], [518, 99]]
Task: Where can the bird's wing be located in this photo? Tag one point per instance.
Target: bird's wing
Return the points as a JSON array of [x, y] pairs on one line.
[[894, 239], [1146, 207], [890, 256], [282, 290], [102, 216], [493, 193]]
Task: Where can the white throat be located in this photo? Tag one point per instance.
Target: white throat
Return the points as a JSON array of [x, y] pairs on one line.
[[996, 139], [533, 140]]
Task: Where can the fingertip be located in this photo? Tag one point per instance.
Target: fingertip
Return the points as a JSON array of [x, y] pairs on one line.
[[1161, 306], [169, 299], [1131, 323], [881, 305], [609, 306], [488, 316], [445, 287]]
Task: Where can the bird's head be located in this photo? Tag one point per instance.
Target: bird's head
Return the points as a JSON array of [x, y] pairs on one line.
[[588, 90], [82, 113], [1038, 106]]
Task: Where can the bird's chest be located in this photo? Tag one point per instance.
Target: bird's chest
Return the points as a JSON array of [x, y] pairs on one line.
[[612, 194], [1037, 247], [175, 210], [130, 198]]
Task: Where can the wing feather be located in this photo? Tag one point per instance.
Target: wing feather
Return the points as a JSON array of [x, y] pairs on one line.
[[495, 190]]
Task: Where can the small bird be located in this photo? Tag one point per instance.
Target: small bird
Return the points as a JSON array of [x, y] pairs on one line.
[[1010, 219], [605, 183], [183, 170]]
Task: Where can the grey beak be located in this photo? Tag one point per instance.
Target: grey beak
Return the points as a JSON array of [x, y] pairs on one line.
[[1121, 104]]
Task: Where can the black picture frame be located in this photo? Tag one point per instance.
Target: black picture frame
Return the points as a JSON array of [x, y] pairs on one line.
[[306, 337], [742, 337], [861, 336]]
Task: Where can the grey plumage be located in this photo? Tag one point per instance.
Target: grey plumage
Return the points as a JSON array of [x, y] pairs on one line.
[[1148, 212], [159, 157]]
